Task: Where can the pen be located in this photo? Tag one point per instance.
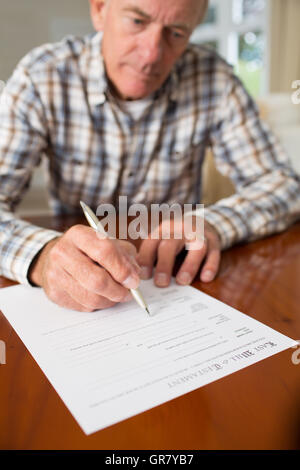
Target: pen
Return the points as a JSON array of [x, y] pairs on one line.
[[95, 223]]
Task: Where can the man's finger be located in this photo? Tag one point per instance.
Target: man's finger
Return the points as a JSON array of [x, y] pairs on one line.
[[191, 265], [212, 262], [89, 300], [63, 299], [147, 256], [108, 253], [166, 255], [129, 248], [89, 275]]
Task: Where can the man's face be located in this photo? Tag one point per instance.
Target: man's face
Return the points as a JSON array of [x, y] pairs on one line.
[[142, 39]]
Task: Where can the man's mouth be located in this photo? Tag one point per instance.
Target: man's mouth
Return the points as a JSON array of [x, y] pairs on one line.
[[147, 75]]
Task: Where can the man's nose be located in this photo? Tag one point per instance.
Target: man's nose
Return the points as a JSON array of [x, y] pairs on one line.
[[151, 47]]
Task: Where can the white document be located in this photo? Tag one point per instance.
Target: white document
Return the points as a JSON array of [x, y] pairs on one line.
[[112, 364]]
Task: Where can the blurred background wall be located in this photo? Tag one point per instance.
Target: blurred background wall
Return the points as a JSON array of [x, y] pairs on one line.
[[25, 24], [260, 38]]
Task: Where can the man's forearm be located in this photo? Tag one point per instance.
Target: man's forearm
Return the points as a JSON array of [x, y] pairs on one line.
[[268, 206]]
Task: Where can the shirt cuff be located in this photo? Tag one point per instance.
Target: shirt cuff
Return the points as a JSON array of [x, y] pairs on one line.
[[222, 222], [16, 262]]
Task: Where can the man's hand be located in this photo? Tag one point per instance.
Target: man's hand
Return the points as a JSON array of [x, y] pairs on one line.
[[82, 272], [165, 252]]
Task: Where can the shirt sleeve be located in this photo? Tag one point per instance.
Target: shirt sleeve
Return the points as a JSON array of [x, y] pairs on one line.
[[23, 137], [267, 197]]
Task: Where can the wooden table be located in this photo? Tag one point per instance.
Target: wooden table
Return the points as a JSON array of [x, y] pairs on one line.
[[255, 408]]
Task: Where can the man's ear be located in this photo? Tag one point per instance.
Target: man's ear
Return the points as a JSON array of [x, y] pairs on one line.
[[97, 10]]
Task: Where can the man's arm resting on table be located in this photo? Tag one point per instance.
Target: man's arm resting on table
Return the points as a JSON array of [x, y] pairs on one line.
[[267, 198]]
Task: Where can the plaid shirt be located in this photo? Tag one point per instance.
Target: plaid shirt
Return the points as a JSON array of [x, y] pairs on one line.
[[57, 103]]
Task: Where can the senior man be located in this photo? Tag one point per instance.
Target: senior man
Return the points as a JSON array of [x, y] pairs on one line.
[[130, 111]]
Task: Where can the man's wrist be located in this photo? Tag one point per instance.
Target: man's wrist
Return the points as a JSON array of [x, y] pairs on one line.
[[35, 271], [214, 229]]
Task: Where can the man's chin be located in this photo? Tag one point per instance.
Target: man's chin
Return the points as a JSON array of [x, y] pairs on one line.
[[136, 91]]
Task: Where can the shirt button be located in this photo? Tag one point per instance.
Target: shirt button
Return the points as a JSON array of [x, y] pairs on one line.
[[128, 173]]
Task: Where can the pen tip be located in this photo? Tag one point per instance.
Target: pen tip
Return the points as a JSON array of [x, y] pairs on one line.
[[147, 310]]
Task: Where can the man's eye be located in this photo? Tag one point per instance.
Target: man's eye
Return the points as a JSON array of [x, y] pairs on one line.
[[177, 35], [137, 21]]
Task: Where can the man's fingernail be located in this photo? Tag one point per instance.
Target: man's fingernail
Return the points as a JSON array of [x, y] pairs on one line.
[[184, 278], [145, 272], [207, 276], [161, 279], [194, 245], [131, 282], [102, 234]]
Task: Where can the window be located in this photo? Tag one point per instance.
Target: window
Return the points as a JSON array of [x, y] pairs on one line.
[[238, 30]]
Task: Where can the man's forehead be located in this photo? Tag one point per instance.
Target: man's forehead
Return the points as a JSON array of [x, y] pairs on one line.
[[171, 11]]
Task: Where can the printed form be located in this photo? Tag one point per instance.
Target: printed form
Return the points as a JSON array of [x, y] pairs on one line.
[[112, 364]]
